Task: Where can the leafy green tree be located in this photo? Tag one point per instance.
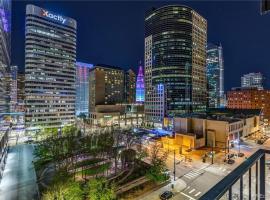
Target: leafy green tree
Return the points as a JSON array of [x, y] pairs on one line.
[[99, 189], [158, 164], [47, 132], [69, 130], [70, 190], [84, 118], [128, 157]]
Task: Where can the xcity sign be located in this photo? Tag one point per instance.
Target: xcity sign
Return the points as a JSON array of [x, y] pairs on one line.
[[59, 18]]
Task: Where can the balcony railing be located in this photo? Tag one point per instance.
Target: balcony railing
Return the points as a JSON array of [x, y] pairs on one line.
[[254, 167]]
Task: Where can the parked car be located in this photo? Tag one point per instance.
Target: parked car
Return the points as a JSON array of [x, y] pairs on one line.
[[241, 154], [166, 195], [230, 161], [230, 155]]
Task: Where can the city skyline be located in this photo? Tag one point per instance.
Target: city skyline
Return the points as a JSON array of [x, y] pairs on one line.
[[97, 42], [74, 130]]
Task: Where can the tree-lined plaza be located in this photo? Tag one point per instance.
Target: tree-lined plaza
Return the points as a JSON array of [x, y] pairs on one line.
[[70, 165]]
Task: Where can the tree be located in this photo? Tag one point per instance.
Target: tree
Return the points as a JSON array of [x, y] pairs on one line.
[[69, 130], [47, 132], [61, 191], [83, 117], [158, 164], [128, 157], [99, 189]]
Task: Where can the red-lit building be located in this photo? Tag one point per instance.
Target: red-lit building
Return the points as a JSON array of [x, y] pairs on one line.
[[250, 98]]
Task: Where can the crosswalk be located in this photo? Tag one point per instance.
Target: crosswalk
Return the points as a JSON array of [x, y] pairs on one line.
[[194, 173], [191, 193], [224, 169]]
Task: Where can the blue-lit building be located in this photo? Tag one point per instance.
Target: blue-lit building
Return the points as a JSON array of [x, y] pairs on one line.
[[140, 86], [5, 43], [82, 88], [215, 75]]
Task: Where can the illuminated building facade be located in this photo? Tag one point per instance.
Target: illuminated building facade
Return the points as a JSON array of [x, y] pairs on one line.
[[20, 87], [13, 87], [106, 86], [130, 89], [252, 80], [50, 55], [215, 75], [140, 86], [5, 43], [250, 98], [82, 87], [175, 59]]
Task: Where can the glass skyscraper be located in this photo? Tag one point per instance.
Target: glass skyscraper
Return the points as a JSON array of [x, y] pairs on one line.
[[140, 86], [252, 80], [215, 75], [175, 58], [5, 43], [50, 56], [82, 87]]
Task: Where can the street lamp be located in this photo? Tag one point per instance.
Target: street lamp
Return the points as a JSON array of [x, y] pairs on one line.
[[174, 168]]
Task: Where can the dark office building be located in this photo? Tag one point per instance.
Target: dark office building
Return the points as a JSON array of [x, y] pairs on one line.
[[130, 87], [175, 59], [106, 86], [20, 87]]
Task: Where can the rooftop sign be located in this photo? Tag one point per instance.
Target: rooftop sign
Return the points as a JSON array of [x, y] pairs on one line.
[[59, 18]]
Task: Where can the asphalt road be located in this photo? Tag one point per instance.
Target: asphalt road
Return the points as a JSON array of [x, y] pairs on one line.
[[19, 178]]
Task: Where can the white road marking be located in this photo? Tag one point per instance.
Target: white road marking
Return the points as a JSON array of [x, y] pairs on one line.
[[191, 191], [191, 198], [198, 193], [193, 174]]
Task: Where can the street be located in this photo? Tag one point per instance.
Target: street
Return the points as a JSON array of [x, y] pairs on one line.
[[195, 178], [19, 178]]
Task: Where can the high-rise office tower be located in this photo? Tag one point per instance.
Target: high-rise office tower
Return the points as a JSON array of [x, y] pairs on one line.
[[215, 75], [13, 87], [252, 80], [175, 59], [5, 43], [50, 55], [106, 86], [140, 86], [130, 91], [20, 88], [82, 87]]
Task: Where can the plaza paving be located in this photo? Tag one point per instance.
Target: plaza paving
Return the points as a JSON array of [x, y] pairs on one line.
[[19, 178]]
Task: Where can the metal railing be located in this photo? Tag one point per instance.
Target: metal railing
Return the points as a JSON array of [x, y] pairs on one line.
[[224, 188]]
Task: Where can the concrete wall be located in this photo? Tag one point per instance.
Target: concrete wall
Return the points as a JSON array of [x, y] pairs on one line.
[[218, 130], [251, 126], [181, 125]]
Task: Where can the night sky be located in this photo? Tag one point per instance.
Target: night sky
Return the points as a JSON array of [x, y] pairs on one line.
[[113, 32]]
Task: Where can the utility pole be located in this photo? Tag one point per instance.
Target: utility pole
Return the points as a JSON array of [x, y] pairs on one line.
[[174, 168], [212, 153]]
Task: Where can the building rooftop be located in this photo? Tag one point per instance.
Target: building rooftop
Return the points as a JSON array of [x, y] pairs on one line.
[[107, 66], [224, 114]]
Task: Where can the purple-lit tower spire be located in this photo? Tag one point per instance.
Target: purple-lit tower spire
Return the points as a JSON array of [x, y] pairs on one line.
[[140, 86]]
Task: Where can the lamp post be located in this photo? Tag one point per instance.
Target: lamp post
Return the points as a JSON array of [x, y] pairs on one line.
[[174, 168], [212, 162]]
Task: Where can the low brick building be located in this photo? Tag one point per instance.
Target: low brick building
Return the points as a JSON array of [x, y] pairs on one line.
[[250, 98]]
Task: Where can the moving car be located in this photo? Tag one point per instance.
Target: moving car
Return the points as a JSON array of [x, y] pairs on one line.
[[166, 195]]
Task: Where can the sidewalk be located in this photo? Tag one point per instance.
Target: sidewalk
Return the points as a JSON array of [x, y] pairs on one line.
[[19, 178]]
